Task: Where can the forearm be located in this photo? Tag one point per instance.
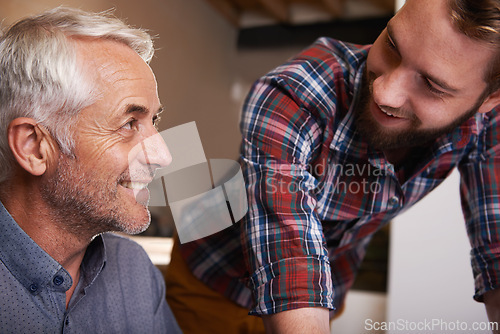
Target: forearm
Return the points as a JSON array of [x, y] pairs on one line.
[[492, 303], [303, 320]]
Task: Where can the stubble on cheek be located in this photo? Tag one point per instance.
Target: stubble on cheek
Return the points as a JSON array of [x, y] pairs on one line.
[[89, 203]]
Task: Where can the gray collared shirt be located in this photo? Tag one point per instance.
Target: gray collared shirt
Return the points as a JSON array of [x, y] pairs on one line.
[[119, 291]]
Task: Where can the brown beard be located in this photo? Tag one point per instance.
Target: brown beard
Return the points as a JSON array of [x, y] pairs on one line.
[[383, 140]]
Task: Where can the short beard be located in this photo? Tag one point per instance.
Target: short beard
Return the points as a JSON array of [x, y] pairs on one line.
[[84, 203], [407, 138]]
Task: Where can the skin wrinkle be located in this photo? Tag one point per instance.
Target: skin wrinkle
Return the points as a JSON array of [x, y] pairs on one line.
[[106, 153], [107, 130]]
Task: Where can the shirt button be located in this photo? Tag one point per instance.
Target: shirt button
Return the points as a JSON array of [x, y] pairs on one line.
[[33, 287], [394, 200], [58, 280], [66, 322]]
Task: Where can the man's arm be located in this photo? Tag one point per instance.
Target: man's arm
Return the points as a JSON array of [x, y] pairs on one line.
[[492, 303], [282, 236], [303, 320], [163, 318], [480, 172]]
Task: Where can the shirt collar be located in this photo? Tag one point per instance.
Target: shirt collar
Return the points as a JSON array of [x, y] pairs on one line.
[[33, 267], [461, 136], [94, 261], [346, 139]]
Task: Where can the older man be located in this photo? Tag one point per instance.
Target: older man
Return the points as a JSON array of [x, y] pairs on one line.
[[336, 143], [77, 103]]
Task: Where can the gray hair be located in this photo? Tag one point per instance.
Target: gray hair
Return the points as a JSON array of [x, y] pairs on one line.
[[39, 74]]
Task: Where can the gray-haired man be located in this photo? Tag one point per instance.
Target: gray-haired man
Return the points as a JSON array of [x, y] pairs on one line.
[[76, 98]]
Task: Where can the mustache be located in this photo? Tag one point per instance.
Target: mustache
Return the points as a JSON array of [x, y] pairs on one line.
[[145, 174], [400, 112]]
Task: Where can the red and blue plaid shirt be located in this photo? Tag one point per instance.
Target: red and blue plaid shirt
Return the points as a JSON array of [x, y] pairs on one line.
[[317, 192]]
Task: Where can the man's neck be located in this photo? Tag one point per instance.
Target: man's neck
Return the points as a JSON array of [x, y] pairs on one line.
[[47, 229], [397, 156]]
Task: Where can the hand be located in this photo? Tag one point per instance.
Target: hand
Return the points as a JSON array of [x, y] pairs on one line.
[[312, 320]]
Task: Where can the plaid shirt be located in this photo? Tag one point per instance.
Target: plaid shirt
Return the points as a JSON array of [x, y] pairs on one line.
[[318, 192]]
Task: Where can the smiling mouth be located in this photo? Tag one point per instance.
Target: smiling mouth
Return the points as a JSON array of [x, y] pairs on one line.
[[134, 185], [389, 114]]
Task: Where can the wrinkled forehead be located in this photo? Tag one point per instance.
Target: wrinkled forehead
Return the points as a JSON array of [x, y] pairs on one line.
[[120, 79], [109, 61]]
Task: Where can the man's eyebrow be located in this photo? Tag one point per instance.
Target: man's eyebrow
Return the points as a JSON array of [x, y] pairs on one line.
[[438, 82], [140, 109], [136, 109]]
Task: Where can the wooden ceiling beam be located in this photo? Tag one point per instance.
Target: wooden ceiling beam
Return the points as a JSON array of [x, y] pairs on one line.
[[278, 9], [388, 5], [334, 7], [228, 10]]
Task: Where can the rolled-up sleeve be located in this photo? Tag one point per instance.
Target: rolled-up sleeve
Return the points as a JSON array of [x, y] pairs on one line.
[[282, 236], [480, 190]]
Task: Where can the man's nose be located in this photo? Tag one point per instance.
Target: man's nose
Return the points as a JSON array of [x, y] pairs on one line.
[[390, 89], [154, 152]]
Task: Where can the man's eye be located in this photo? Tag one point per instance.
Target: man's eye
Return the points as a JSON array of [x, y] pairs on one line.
[[129, 125], [433, 89], [390, 43]]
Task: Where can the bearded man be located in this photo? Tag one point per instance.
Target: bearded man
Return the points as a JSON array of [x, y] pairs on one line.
[[336, 143]]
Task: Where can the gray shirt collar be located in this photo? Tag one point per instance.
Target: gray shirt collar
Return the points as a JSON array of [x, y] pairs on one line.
[[33, 267]]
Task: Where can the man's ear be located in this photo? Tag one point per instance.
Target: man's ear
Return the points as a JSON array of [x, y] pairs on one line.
[[491, 102], [31, 145]]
